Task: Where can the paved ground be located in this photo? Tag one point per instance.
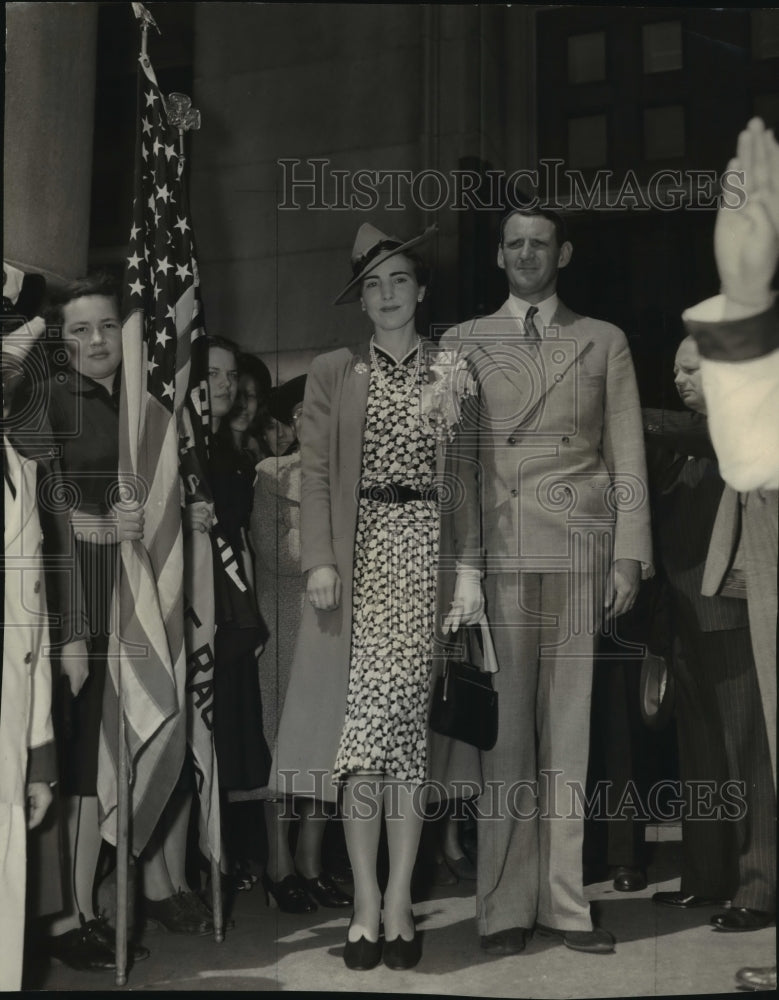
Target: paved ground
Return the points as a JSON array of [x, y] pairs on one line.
[[659, 952]]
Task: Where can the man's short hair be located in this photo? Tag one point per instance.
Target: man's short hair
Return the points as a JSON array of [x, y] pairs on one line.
[[560, 228], [99, 283]]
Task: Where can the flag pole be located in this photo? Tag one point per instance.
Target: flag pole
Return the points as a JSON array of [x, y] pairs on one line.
[[185, 118], [123, 771], [122, 842]]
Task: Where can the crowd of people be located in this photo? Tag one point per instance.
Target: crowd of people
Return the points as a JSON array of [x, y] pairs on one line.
[[379, 506]]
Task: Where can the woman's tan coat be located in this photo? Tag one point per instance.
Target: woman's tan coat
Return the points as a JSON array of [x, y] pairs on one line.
[[331, 437]]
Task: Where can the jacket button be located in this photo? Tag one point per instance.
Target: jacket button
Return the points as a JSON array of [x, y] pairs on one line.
[[28, 657], [512, 440], [565, 440], [558, 377], [515, 493]]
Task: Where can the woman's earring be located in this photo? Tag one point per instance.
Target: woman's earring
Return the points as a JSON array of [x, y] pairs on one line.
[[362, 305]]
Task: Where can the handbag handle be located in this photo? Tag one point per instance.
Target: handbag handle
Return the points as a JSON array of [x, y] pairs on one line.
[[486, 645]]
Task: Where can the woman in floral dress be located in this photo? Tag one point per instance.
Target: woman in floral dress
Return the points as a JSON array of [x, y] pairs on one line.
[[370, 541]]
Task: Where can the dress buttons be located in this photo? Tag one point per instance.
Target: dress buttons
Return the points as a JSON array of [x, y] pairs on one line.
[[515, 493], [512, 440], [558, 377], [28, 657], [565, 440]]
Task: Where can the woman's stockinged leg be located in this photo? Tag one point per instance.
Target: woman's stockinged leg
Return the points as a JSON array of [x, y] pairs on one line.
[[404, 808], [362, 815], [308, 854], [277, 820]]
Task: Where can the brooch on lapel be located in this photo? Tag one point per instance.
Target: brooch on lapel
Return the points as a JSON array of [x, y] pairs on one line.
[[360, 367]]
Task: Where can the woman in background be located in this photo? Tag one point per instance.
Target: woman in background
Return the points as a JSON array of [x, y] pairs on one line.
[[242, 754], [250, 413], [296, 885]]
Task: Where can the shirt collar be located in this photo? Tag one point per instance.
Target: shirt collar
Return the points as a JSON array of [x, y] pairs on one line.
[[546, 310]]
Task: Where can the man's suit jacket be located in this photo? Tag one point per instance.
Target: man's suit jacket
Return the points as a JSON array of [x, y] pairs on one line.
[[552, 442], [686, 491]]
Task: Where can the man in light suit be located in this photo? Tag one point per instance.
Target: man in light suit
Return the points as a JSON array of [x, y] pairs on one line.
[[552, 443]]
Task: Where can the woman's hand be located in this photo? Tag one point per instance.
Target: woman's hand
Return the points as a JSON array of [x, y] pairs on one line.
[[198, 516], [323, 588], [468, 604], [129, 523], [121, 524], [39, 797], [74, 664]]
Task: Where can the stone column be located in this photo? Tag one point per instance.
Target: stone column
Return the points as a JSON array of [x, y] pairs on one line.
[[49, 117]]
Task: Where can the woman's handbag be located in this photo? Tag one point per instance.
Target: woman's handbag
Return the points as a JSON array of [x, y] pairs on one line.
[[465, 704]]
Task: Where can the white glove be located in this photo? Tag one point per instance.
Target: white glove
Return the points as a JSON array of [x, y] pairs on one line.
[[468, 603]]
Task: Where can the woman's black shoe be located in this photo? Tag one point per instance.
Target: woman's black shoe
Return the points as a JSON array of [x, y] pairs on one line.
[[362, 954], [325, 891], [289, 894], [402, 954]]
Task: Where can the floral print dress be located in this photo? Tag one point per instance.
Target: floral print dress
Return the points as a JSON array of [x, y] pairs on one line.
[[396, 553]]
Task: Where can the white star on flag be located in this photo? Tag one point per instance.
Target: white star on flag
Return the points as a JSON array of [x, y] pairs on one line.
[[183, 271], [137, 287], [164, 266], [151, 97], [163, 193], [162, 338], [167, 389], [133, 261], [170, 151], [146, 126], [181, 224]]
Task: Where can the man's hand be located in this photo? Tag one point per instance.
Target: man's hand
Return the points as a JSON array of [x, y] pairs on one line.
[[622, 587], [323, 588], [74, 664], [746, 239], [39, 797], [468, 604], [198, 516]]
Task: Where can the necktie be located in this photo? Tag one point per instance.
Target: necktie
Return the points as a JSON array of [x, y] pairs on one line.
[[530, 327]]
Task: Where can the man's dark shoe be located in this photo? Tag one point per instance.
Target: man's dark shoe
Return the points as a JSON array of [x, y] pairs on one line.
[[757, 978], [594, 942], [509, 942], [83, 948], [629, 879], [684, 901], [740, 918], [181, 913]]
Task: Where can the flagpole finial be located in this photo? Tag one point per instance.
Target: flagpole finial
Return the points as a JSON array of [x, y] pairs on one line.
[[147, 21]]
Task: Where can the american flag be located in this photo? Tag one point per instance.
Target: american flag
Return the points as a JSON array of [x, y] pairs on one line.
[[163, 318]]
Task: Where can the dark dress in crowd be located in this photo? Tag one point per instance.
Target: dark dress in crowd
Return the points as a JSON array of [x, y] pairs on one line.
[[84, 421], [242, 753]]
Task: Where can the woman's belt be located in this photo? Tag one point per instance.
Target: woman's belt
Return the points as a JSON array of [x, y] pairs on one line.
[[397, 493]]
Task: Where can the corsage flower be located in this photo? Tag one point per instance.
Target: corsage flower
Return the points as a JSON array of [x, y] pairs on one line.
[[450, 382]]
